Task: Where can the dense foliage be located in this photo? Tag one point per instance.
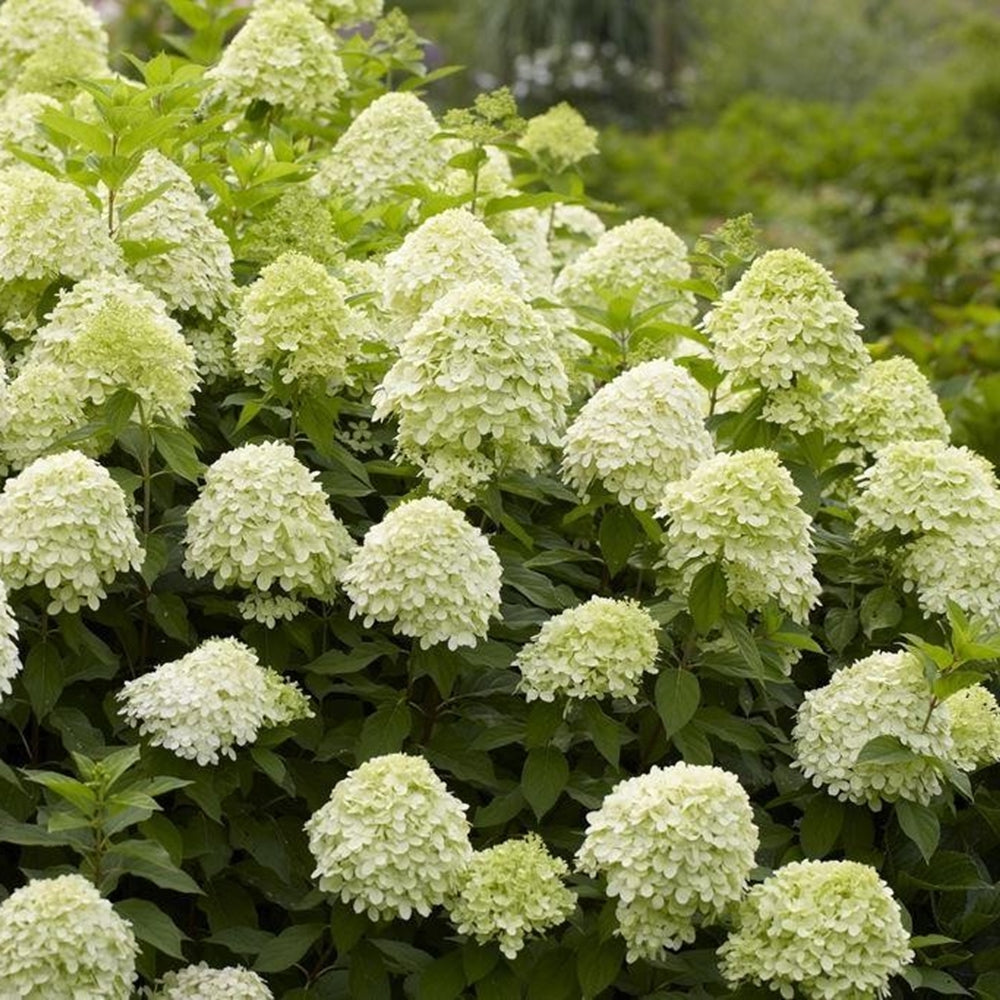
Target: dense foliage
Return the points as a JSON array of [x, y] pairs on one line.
[[412, 587]]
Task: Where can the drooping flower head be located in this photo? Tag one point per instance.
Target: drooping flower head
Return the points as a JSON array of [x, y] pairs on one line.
[[61, 939], [199, 982], [890, 401], [783, 319], [823, 930], [195, 272], [449, 249], [641, 256], [64, 524], [294, 322], [29, 25], [511, 891], [49, 228], [428, 569], [641, 431], [478, 389], [282, 55], [559, 138], [262, 520], [10, 659], [676, 847], [387, 145], [975, 727], [742, 510], [920, 486], [885, 694], [391, 840], [216, 697], [602, 647]]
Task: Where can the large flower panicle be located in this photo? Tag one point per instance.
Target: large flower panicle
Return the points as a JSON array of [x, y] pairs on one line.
[[386, 146], [294, 322], [478, 390], [823, 930], [64, 523], [559, 138], [641, 431], [975, 727], [885, 694], [216, 697], [785, 318], [262, 520], [742, 509], [511, 891], [61, 940], [919, 486], [603, 647], [199, 982], [10, 659], [49, 228], [26, 26], [445, 251], [428, 570], [391, 840], [676, 847], [641, 256], [282, 55], [195, 272], [890, 401]]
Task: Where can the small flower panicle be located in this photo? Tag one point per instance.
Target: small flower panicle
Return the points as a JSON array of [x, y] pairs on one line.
[[425, 567], [602, 647], [10, 659], [294, 321], [300, 221], [65, 524], [890, 401], [574, 230], [784, 319], [199, 982], [742, 510], [386, 146], [641, 431], [919, 486], [559, 138], [19, 115], [478, 375], [511, 891], [61, 940], [282, 55], [525, 231], [262, 520], [822, 930], [446, 251], [642, 256], [676, 847], [975, 727], [885, 694], [213, 699], [391, 840]]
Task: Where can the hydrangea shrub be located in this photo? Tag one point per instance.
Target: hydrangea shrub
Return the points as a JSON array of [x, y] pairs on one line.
[[418, 581]]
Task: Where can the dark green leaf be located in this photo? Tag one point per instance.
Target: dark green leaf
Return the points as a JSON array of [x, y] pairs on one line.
[[384, 731], [43, 678], [677, 694], [603, 730], [707, 598], [153, 926], [287, 948], [821, 825], [598, 964], [840, 626], [543, 778], [617, 537], [921, 825]]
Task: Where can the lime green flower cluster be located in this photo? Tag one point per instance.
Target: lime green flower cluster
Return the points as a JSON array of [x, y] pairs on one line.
[[199, 982], [559, 138]]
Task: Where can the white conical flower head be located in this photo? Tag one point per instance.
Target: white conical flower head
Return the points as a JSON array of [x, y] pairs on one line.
[[195, 272], [641, 431], [603, 647], [213, 699], [822, 930], [61, 939], [885, 694], [445, 251], [742, 510], [261, 520], [199, 982], [479, 389], [64, 523], [785, 318], [391, 840], [428, 570], [676, 847]]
